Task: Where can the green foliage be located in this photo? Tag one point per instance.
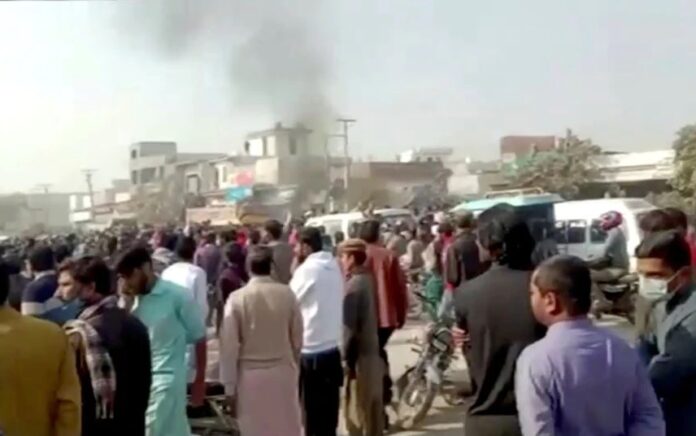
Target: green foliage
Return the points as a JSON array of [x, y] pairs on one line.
[[562, 170], [684, 146]]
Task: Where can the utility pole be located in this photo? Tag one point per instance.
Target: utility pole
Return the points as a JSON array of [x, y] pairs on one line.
[[45, 187], [90, 189], [346, 171]]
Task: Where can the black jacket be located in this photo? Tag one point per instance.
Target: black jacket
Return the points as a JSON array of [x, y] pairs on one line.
[[495, 310], [462, 260], [127, 342]]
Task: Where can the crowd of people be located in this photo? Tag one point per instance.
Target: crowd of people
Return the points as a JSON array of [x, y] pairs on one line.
[[112, 337]]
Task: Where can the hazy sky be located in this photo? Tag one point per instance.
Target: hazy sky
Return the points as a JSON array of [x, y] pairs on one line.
[[80, 81]]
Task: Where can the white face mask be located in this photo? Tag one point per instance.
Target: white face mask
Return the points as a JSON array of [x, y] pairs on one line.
[[654, 288]]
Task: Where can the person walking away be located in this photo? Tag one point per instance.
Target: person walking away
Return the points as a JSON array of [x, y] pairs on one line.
[[37, 297], [234, 274], [260, 345], [392, 296], [396, 241], [462, 261], [495, 311], [115, 393], [364, 411], [209, 258], [39, 387], [192, 278], [318, 285], [282, 251], [163, 256], [173, 321], [579, 379], [666, 278]]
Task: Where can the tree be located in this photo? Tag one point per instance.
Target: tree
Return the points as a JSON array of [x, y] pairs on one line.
[[684, 179], [561, 170]]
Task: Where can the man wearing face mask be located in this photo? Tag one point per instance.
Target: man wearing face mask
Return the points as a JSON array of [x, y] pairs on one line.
[[670, 349], [106, 333]]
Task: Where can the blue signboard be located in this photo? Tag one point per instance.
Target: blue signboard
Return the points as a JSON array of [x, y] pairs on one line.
[[238, 193]]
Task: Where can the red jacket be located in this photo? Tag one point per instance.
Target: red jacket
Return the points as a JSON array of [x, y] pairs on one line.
[[390, 286]]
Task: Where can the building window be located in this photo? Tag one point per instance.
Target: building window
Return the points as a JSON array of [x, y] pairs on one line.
[[293, 145], [148, 175], [134, 154], [193, 184], [134, 177], [265, 146], [247, 147]]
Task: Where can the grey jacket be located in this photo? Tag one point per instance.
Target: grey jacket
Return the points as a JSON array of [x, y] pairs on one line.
[[672, 368]]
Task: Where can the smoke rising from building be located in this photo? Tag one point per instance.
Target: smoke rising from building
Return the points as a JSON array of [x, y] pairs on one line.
[[275, 58]]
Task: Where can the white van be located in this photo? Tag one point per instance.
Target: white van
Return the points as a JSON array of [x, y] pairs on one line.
[[342, 221], [577, 225]]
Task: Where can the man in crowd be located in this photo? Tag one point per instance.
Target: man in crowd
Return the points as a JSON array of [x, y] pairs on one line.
[[462, 260], [209, 257], [494, 309], [392, 297], [318, 285], [579, 379], [115, 337], [192, 278], [260, 346], [163, 256], [666, 278], [37, 298], [39, 387], [282, 251], [363, 366], [173, 321]]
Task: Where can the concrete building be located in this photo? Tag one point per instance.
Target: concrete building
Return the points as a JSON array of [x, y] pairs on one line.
[[471, 179], [634, 173], [431, 154], [515, 147], [35, 213], [151, 163]]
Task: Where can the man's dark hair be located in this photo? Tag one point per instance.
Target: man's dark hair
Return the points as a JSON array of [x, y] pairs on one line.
[[445, 228], [210, 237], [369, 231], [234, 253], [274, 228], [133, 259], [254, 236], [339, 237], [503, 232], [466, 221], [91, 269], [569, 278], [260, 260], [668, 246], [61, 252], [678, 217], [312, 237], [42, 259], [230, 235], [657, 220], [111, 245], [186, 248]]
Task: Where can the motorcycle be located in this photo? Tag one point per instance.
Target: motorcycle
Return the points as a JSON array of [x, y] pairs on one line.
[[421, 383], [620, 298]]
